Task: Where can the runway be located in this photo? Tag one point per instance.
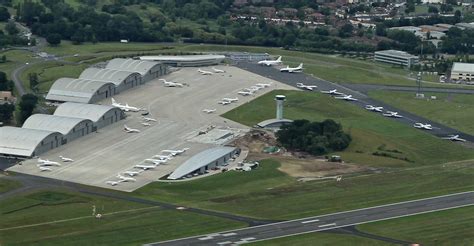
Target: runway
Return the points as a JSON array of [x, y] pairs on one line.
[[359, 92], [327, 222]]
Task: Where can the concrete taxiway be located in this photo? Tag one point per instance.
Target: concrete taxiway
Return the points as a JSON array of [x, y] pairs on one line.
[[408, 118], [327, 222], [99, 157]]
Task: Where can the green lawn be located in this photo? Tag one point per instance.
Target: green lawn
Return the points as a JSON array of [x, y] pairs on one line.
[[453, 110], [67, 221], [7, 185], [321, 239], [449, 227], [66, 48], [14, 59]]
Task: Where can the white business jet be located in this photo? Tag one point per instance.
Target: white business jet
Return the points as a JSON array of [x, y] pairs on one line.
[[333, 92], [132, 173], [163, 157], [209, 111], [147, 119], [64, 159], [346, 97], [245, 93], [270, 62], [423, 126], [373, 108], [454, 138], [289, 69], [217, 70], [204, 72], [130, 130], [306, 87], [224, 102], [230, 99], [155, 161], [125, 178], [125, 107], [47, 163], [392, 114], [145, 124], [171, 84], [44, 169], [144, 167], [112, 183], [175, 152], [264, 85]]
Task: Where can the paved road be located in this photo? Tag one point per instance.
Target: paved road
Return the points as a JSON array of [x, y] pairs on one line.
[[408, 118], [327, 222], [364, 88]]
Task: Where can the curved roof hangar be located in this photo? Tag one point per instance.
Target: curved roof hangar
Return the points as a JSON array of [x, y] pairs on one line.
[[75, 90], [53, 123], [92, 112], [22, 141]]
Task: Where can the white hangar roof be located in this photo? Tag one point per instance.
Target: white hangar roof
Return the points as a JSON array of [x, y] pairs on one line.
[[75, 90], [110, 75], [131, 65], [184, 58], [53, 123], [199, 160], [463, 67], [21, 141], [91, 112]]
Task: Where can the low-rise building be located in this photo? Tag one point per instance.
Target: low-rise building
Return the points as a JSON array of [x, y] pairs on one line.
[[462, 71], [396, 57], [6, 97]]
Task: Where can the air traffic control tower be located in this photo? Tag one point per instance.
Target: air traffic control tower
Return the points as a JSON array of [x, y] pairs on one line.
[[279, 120]]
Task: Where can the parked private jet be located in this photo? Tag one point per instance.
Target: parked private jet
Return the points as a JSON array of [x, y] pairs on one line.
[[346, 97], [423, 126], [217, 70], [146, 124], [130, 130], [44, 169], [245, 93], [163, 157], [155, 161], [333, 92], [292, 69], [203, 72], [264, 85], [144, 167], [209, 111], [392, 114], [224, 102], [230, 99], [175, 152], [48, 162], [64, 159], [270, 62], [125, 178], [125, 107], [132, 173], [148, 119], [306, 87], [171, 84], [373, 108], [454, 138], [112, 183]]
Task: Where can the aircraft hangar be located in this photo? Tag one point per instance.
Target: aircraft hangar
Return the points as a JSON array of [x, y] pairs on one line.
[[95, 84], [186, 60], [41, 133]]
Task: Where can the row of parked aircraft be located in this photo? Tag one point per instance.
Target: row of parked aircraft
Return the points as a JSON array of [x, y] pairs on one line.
[[226, 100], [251, 90], [147, 164], [278, 61], [214, 70], [45, 165]]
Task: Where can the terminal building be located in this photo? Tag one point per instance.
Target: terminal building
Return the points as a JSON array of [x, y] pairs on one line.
[[396, 57], [186, 60], [95, 84], [203, 161], [462, 71], [41, 133]]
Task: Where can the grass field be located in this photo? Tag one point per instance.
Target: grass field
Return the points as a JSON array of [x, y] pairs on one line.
[[67, 220], [450, 227], [7, 185], [14, 59], [453, 110], [321, 239], [269, 193]]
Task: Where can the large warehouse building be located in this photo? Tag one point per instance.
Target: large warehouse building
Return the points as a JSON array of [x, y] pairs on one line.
[[41, 133], [396, 57], [462, 71], [206, 160], [186, 60], [95, 84]]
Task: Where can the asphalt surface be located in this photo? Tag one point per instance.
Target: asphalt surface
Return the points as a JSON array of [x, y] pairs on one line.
[[327, 222], [365, 88], [359, 92]]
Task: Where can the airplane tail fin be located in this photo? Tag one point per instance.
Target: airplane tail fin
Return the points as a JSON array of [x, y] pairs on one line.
[[113, 101], [279, 59], [301, 65]]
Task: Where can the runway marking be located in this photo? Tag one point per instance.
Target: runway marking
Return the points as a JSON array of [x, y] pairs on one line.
[[205, 238], [229, 234], [309, 221], [247, 239], [224, 243], [327, 225]]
